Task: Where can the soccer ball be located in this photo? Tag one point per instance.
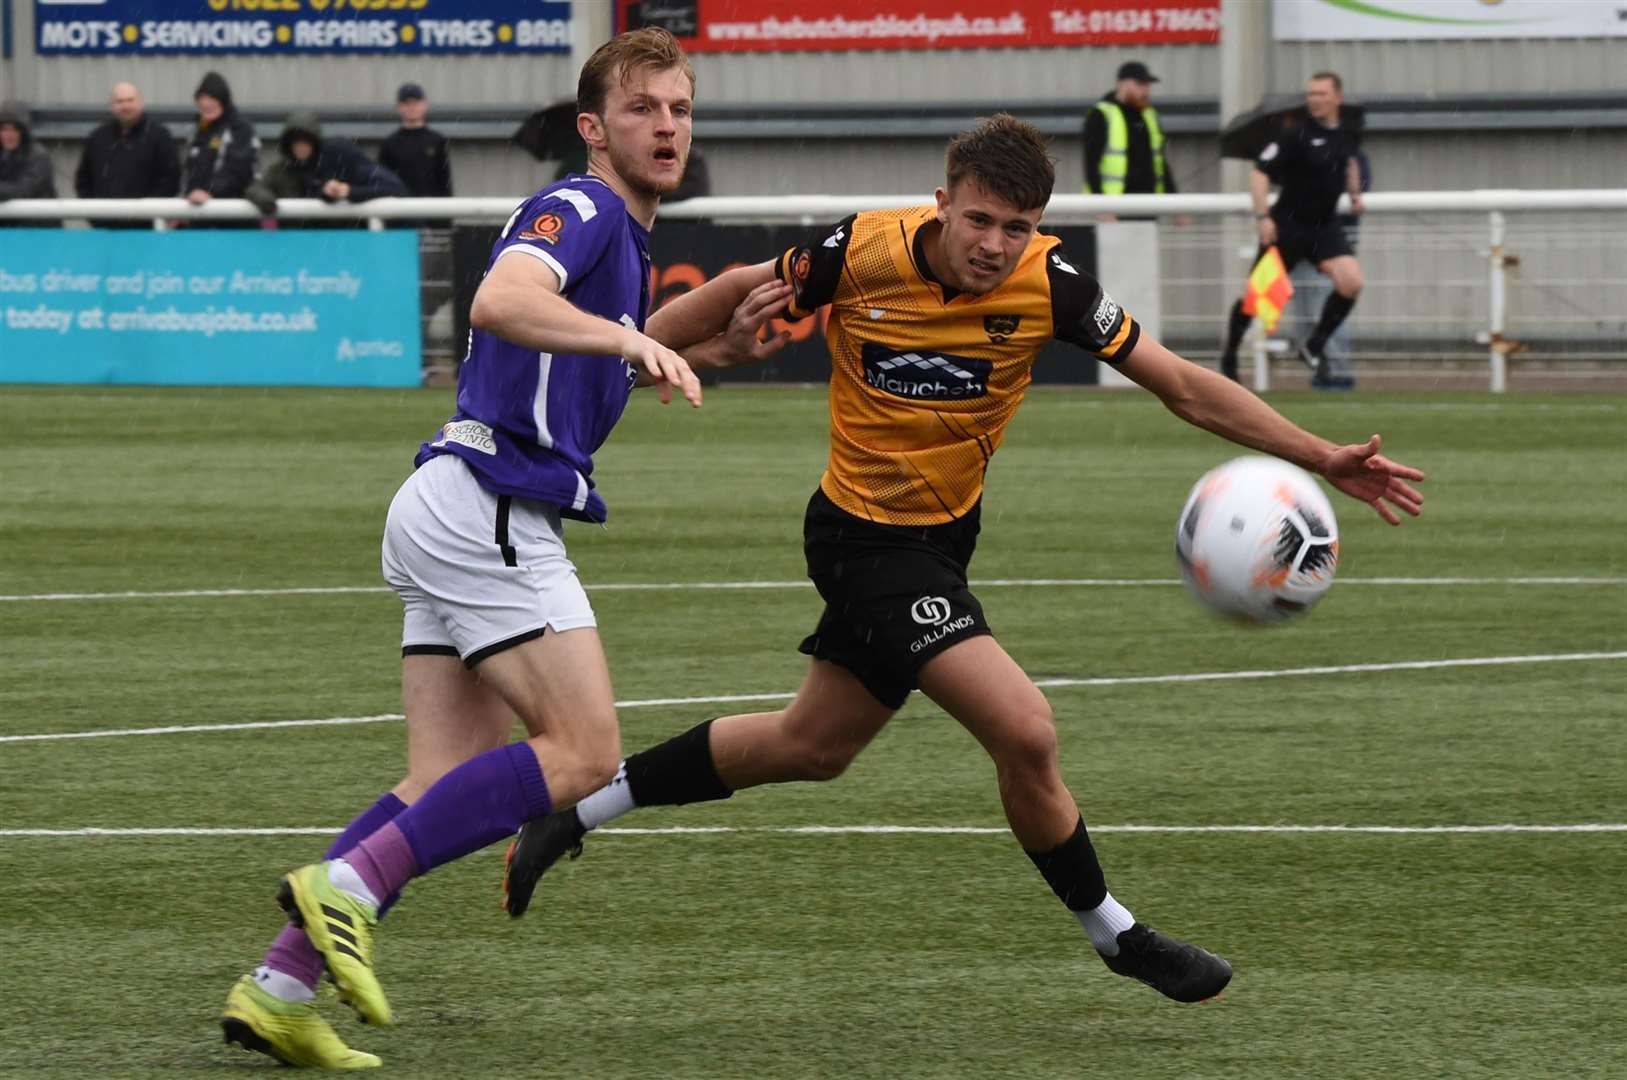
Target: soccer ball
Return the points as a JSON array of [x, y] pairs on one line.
[[1256, 540]]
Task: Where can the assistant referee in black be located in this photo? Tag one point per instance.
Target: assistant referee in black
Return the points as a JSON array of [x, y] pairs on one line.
[[1313, 163]]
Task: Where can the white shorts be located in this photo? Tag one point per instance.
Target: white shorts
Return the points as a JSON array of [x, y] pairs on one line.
[[478, 572]]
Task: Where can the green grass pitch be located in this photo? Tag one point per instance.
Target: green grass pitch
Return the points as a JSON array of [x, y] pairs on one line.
[[762, 952]]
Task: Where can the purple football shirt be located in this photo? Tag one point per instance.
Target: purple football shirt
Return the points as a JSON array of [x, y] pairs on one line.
[[528, 423]]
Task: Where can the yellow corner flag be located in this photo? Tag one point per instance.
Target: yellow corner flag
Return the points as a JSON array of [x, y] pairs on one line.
[[1268, 289]]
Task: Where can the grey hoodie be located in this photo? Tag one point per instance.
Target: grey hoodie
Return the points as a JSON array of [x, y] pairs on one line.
[[26, 172]]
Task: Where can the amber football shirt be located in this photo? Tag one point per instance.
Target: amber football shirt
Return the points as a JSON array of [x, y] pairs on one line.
[[924, 378]]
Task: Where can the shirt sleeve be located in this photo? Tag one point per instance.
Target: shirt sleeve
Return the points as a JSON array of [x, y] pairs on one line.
[[814, 269], [1083, 314], [563, 228], [1273, 157]]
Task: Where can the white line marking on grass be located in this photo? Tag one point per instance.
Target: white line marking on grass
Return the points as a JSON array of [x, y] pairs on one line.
[[731, 586], [724, 699], [888, 830], [1337, 669], [175, 594]]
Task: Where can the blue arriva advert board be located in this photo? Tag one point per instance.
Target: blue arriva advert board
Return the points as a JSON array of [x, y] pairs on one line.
[[200, 307]]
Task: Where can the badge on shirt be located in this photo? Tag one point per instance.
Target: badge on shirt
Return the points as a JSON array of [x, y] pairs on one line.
[[1001, 327], [546, 227]]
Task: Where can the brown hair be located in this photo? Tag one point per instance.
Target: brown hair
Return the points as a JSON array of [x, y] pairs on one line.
[[650, 47], [1338, 83], [1007, 158]]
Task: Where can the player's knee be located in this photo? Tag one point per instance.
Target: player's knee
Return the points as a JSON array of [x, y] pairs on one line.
[[1350, 283], [1029, 744], [821, 762]]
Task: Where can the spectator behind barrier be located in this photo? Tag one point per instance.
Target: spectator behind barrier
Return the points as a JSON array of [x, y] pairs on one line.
[[416, 152], [128, 157], [312, 167], [25, 167], [223, 156]]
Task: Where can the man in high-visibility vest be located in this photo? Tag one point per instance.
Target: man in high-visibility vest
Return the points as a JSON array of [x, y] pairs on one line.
[[1124, 143]]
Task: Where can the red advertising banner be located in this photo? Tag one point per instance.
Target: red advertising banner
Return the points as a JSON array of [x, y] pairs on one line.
[[833, 25]]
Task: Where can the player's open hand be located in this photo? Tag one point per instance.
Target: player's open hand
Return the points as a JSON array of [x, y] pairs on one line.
[[660, 367], [1361, 472], [743, 342]]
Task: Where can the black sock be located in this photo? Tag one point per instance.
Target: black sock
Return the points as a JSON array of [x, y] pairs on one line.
[[678, 771], [1333, 313], [1235, 330], [1072, 872]]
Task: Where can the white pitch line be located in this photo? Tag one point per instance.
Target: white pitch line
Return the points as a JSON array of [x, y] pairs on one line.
[[1338, 669], [725, 699], [892, 830], [728, 586]]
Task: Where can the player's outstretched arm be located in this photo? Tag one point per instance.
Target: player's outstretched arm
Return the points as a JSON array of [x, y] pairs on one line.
[[519, 302], [1215, 403], [742, 342], [705, 312]]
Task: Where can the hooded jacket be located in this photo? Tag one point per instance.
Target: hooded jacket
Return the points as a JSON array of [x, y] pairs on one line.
[[25, 173], [222, 158], [331, 159]]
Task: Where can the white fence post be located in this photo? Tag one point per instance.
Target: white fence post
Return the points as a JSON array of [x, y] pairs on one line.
[[1499, 303]]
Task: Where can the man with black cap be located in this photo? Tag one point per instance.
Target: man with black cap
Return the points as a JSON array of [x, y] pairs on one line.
[[223, 156], [1124, 143], [416, 152]]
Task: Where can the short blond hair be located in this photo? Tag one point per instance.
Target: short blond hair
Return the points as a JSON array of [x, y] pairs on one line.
[[650, 47]]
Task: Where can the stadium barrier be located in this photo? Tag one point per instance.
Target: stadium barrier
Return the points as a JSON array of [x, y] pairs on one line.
[[1417, 265]]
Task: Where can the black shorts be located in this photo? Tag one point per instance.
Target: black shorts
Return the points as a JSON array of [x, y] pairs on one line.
[[895, 595], [1307, 242]]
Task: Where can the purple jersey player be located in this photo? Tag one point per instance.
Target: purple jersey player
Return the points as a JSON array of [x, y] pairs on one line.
[[528, 420], [474, 545]]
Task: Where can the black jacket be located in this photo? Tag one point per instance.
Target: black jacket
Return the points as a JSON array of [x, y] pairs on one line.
[[420, 157], [26, 172], [222, 158], [135, 163], [333, 159]]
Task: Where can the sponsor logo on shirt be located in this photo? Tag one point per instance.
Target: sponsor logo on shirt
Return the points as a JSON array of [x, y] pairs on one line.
[[1107, 313], [1063, 265], [1001, 327], [834, 239], [1269, 153], [545, 227], [925, 376], [470, 433]]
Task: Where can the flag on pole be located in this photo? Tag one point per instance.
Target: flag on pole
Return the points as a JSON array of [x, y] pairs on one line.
[[1268, 289]]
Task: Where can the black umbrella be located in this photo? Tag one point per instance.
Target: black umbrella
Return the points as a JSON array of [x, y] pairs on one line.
[[550, 134], [1254, 130]]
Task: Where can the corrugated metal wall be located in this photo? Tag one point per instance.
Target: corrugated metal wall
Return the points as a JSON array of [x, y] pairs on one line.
[[1413, 68]]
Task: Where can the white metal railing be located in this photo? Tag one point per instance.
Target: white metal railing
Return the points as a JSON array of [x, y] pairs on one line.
[[823, 209]]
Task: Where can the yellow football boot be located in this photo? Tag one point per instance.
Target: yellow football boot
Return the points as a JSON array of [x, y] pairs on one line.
[[341, 928], [292, 1032]]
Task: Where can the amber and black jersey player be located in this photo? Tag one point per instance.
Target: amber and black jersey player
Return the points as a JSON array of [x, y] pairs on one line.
[[924, 380]]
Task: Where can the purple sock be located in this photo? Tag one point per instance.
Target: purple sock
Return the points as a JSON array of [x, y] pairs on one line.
[[292, 953], [384, 860], [478, 803]]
